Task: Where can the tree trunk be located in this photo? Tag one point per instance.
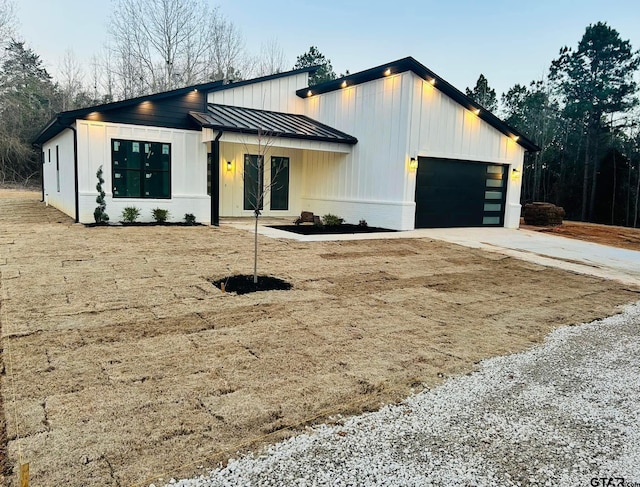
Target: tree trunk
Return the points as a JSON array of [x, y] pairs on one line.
[[255, 250], [585, 179], [536, 177], [595, 164], [613, 198], [635, 213]]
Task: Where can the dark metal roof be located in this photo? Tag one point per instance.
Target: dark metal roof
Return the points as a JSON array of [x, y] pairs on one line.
[[410, 64], [251, 121], [63, 119]]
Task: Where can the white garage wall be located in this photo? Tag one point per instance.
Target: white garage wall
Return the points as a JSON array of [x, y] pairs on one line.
[[64, 200], [440, 127], [188, 170]]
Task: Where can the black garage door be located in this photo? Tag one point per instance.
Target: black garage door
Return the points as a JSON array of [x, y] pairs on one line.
[[455, 193]]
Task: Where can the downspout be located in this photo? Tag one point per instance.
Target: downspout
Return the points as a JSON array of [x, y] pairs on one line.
[[75, 169], [215, 180]]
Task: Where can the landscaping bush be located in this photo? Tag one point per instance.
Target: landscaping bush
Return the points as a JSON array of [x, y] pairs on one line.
[[363, 223], [130, 214], [99, 214], [330, 220], [160, 215], [189, 218]]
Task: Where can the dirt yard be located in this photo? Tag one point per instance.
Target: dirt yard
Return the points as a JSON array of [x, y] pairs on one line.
[[622, 237], [128, 365]]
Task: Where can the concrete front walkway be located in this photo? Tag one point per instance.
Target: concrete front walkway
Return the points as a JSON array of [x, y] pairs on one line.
[[549, 250]]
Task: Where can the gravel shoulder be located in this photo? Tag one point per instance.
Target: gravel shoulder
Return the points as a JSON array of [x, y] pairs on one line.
[[562, 413]]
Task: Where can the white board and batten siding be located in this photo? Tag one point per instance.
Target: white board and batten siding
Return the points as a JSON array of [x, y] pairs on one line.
[[440, 127], [275, 95], [368, 183], [188, 170], [396, 118], [59, 186]]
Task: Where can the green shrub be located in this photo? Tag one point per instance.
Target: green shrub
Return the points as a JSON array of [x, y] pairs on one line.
[[363, 223], [189, 218], [330, 220], [130, 214], [99, 214], [160, 215]]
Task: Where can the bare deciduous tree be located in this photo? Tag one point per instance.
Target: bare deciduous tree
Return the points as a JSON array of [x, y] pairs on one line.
[[159, 45], [71, 80], [258, 182], [7, 21], [271, 59], [227, 56]]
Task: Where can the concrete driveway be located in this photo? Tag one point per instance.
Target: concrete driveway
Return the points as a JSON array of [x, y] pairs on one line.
[[549, 250]]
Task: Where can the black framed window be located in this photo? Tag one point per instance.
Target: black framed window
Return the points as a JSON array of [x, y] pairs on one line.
[[253, 181], [58, 168], [141, 169], [279, 183]]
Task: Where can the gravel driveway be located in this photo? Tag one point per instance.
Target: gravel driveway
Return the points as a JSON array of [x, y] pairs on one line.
[[563, 413]]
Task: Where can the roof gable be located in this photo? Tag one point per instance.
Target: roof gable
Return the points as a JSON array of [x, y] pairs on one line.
[[167, 109], [410, 64]]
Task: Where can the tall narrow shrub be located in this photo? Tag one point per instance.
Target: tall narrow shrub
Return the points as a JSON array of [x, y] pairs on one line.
[[99, 214]]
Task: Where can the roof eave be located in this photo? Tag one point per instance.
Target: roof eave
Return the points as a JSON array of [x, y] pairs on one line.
[[410, 64], [267, 133]]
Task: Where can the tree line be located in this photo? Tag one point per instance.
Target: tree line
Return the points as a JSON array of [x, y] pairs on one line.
[[582, 114]]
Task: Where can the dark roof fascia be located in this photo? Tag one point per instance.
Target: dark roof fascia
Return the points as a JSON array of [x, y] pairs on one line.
[[65, 118], [270, 77], [410, 64], [347, 139]]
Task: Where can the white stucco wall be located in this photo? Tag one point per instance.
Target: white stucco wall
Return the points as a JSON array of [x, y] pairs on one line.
[[64, 200], [188, 170]]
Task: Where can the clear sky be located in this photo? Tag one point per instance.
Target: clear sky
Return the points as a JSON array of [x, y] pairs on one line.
[[509, 42]]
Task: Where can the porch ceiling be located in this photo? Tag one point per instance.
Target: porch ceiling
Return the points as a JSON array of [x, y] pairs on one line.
[[226, 118]]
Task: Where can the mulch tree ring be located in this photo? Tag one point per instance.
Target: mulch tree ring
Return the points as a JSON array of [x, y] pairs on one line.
[[329, 230], [243, 284]]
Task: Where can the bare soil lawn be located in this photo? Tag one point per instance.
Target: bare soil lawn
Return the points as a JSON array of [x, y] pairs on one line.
[[128, 364], [622, 237]]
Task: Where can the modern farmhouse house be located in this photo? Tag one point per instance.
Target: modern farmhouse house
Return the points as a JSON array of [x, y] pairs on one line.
[[395, 145]]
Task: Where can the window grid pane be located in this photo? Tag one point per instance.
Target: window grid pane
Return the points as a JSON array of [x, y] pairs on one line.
[[141, 169]]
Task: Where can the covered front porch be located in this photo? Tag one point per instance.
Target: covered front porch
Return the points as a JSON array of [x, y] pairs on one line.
[[261, 159]]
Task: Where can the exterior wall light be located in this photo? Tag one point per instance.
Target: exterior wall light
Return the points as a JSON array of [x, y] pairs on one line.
[[229, 166], [309, 93], [515, 138], [516, 174], [432, 81], [476, 111], [344, 84], [413, 164], [387, 72]]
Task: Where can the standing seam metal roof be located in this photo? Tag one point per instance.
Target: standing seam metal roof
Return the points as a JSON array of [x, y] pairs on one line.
[[253, 121]]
